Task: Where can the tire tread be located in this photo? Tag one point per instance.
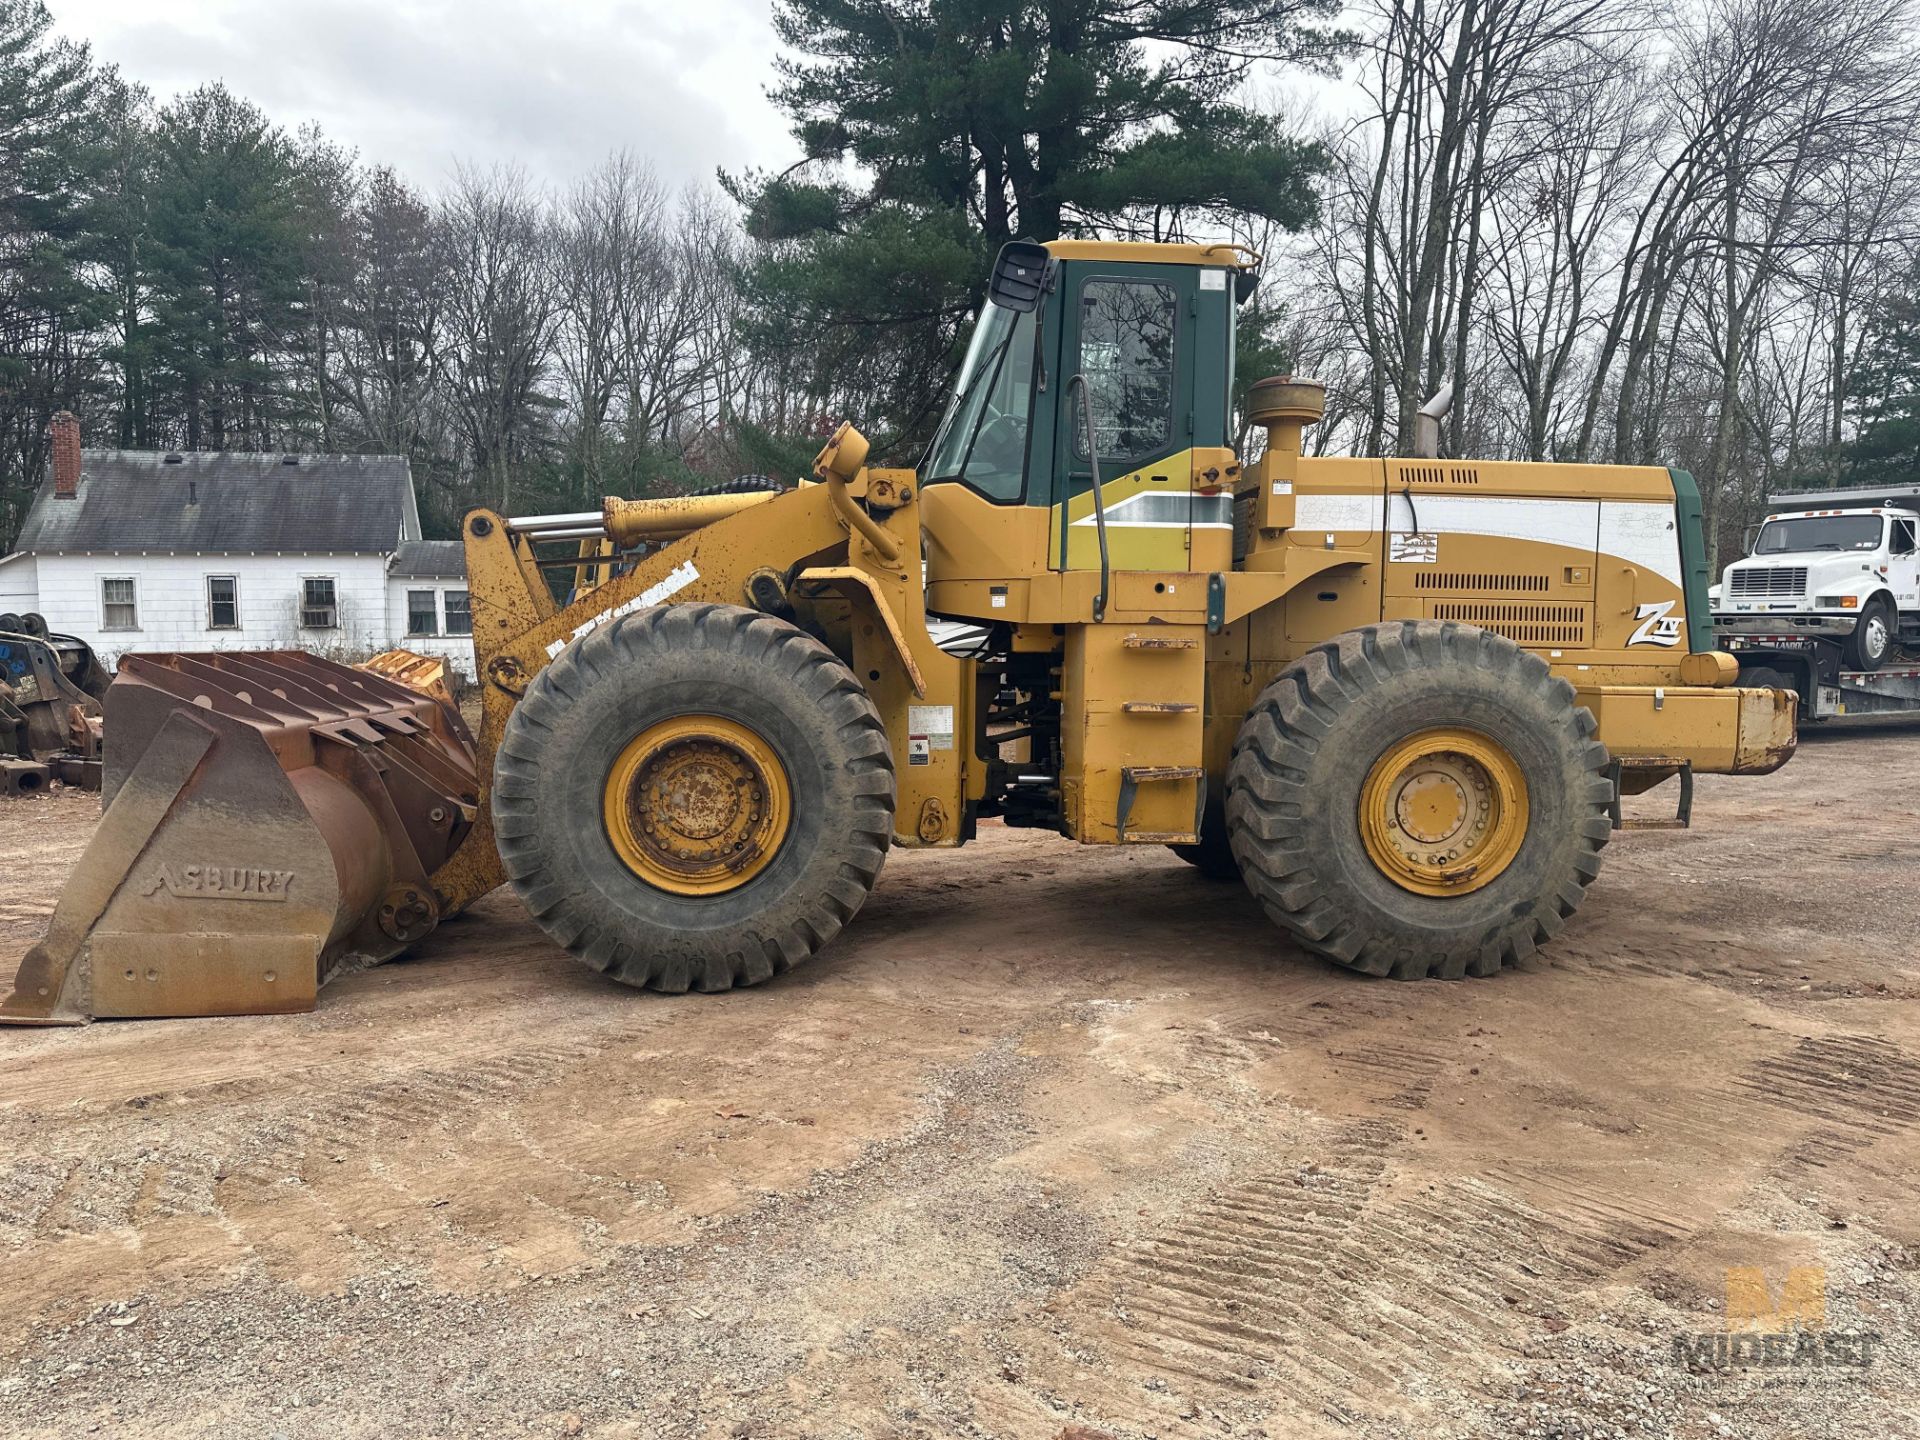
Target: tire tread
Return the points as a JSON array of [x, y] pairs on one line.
[[574, 916], [1269, 817]]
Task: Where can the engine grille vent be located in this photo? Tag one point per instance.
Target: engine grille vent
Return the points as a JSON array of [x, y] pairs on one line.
[[1479, 584], [1439, 475], [1779, 582], [1523, 622], [1243, 524]]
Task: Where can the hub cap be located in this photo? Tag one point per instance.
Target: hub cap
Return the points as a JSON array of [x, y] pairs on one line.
[[1443, 812], [1876, 636], [697, 805]]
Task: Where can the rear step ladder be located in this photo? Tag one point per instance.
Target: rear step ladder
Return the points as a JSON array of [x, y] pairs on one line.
[[1683, 817], [1132, 777]]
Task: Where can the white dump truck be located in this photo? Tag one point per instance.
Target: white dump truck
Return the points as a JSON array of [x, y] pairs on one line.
[[1827, 600]]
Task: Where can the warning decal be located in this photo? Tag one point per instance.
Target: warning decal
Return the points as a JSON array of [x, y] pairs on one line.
[[1414, 548], [931, 725]]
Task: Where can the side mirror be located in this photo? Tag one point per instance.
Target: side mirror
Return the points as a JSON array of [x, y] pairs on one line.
[[1245, 282], [1019, 276]]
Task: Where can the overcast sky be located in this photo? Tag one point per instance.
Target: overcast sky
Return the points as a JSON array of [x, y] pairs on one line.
[[420, 84]]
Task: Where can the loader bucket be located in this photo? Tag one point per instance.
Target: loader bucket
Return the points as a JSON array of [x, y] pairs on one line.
[[270, 817]]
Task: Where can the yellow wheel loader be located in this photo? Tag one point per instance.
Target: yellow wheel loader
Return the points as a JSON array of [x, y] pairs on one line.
[[1399, 698]]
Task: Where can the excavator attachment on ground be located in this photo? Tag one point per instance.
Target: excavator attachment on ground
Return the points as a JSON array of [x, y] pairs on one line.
[[51, 689], [269, 819]]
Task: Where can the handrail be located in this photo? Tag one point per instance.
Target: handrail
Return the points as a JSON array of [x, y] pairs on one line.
[[1099, 498]]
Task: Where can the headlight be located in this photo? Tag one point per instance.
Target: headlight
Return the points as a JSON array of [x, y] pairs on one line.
[[1838, 602]]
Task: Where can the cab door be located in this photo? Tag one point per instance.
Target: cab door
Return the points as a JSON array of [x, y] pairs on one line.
[[1130, 330], [1903, 565]]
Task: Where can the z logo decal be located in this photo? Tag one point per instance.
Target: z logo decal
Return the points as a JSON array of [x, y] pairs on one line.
[[1657, 626]]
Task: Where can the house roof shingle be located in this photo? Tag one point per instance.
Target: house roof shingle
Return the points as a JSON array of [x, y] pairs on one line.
[[430, 560], [227, 503]]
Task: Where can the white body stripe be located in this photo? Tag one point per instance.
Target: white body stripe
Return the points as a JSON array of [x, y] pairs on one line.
[[1640, 532], [1336, 512], [1643, 533], [1572, 523], [676, 580], [1166, 510]]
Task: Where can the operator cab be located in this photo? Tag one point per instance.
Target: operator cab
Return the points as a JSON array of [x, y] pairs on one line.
[[1087, 355]]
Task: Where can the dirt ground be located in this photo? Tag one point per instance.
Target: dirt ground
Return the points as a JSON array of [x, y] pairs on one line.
[[1049, 1139]]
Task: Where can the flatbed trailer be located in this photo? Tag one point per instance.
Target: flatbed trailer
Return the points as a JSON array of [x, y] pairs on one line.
[[1811, 667]]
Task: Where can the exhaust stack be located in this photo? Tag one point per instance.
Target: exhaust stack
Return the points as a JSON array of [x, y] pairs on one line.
[[1426, 424]]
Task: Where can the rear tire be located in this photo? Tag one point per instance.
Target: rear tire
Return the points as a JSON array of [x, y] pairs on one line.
[[812, 735], [1872, 638], [1310, 756], [1213, 856]]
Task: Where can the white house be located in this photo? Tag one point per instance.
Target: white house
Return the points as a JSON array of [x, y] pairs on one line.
[[140, 551], [427, 608]]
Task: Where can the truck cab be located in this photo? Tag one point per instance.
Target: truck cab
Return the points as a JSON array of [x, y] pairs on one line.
[[1839, 565]]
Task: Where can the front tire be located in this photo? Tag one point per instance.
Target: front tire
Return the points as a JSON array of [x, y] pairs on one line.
[[1419, 799], [1872, 638], [694, 797]]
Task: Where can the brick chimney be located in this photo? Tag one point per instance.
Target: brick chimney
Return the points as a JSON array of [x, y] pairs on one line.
[[64, 429]]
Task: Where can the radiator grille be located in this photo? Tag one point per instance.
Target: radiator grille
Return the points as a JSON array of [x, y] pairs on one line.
[[1778, 582], [1439, 475], [1523, 622], [1479, 584]]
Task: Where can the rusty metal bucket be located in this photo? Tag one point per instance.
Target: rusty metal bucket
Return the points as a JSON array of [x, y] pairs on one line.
[[270, 817]]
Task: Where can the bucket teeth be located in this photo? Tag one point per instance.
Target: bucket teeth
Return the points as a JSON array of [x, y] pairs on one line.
[[270, 817]]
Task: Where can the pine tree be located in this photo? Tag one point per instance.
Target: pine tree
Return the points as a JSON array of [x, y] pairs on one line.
[[229, 267], [48, 99], [1887, 389], [935, 130]]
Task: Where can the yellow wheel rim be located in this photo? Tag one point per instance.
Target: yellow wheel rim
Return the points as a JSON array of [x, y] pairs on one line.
[[1443, 812], [697, 805]]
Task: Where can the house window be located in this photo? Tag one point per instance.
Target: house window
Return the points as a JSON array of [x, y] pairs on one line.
[[119, 605], [223, 602], [423, 617], [319, 605], [459, 613]]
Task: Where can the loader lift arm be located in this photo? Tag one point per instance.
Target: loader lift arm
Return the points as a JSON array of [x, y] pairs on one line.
[[848, 533]]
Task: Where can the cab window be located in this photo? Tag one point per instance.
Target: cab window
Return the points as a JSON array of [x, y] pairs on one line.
[[983, 442], [1126, 354], [1819, 532]]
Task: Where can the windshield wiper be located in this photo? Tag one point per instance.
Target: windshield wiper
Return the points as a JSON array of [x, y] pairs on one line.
[[989, 365], [980, 421]]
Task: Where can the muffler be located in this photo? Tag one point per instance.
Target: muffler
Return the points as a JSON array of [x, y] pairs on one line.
[[270, 818]]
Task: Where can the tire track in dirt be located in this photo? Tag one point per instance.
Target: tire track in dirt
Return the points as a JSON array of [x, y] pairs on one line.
[[86, 1175], [1862, 1086], [1214, 1300], [1345, 1274], [1311, 1286]]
